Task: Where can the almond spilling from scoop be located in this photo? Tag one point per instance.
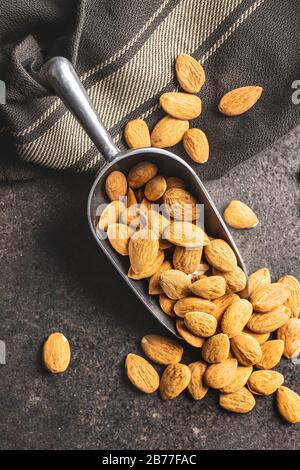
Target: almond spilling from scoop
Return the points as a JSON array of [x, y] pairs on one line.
[[116, 185], [222, 303], [290, 334], [236, 317], [220, 255], [238, 215], [258, 279], [246, 349], [201, 324], [268, 297], [161, 350], [261, 338], [239, 100], [221, 374], [269, 322], [197, 387], [181, 205], [136, 134], [141, 373], [56, 353], [175, 284], [288, 404], [241, 401], [174, 380], [293, 300], [141, 173], [167, 305], [186, 260], [190, 74], [154, 282], [186, 334], [193, 304], [181, 105], [271, 354], [210, 287], [196, 145], [168, 132], [265, 382], [240, 379], [235, 280], [216, 348]]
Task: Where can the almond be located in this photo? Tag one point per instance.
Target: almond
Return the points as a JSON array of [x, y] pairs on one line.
[[155, 188], [268, 297], [186, 260], [56, 353], [143, 250], [141, 173], [196, 145], [238, 215], [200, 323], [270, 321], [221, 374], [258, 279], [110, 214], [180, 204], [240, 379], [136, 134], [210, 287], [197, 387], [154, 221], [150, 270], [184, 234], [131, 198], [220, 255], [236, 317], [271, 354], [131, 216], [154, 282], [161, 350], [235, 280], [293, 300], [175, 284], [222, 303], [119, 236], [116, 185], [216, 348], [168, 132], [241, 401], [193, 304], [188, 337], [261, 338], [288, 404], [189, 73], [141, 373], [265, 382], [239, 100], [290, 334], [246, 349], [174, 182], [167, 305], [181, 105], [174, 380]]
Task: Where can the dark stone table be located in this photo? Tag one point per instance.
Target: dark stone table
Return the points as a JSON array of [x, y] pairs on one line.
[[53, 277]]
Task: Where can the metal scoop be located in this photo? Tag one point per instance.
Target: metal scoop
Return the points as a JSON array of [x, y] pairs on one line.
[[61, 75]]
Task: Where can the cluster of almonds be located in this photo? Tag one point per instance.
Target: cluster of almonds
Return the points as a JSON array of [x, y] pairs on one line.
[[181, 107], [201, 286]]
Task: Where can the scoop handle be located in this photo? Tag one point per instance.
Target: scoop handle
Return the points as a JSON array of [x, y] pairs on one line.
[[62, 77]]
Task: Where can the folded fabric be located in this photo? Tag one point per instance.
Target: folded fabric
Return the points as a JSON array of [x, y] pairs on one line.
[[124, 52]]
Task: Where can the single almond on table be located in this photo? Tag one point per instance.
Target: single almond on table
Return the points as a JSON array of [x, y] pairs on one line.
[[168, 132], [56, 353], [220, 255], [190, 74], [241, 401], [110, 214], [293, 300], [221, 374], [136, 134], [188, 337], [201, 324], [119, 236], [149, 270], [238, 215], [235, 280], [288, 404], [181, 105], [161, 350], [239, 100], [155, 188], [209, 288], [175, 284], [290, 334], [193, 304], [246, 349], [265, 382], [167, 305], [180, 204], [268, 297], [222, 303], [186, 260], [236, 317], [196, 145], [197, 387], [143, 249], [141, 173], [271, 354], [269, 322], [185, 234], [261, 338], [240, 379], [116, 185], [154, 282], [175, 182], [174, 380], [216, 349], [141, 373]]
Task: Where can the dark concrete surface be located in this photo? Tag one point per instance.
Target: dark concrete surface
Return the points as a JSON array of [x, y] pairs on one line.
[[53, 277]]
